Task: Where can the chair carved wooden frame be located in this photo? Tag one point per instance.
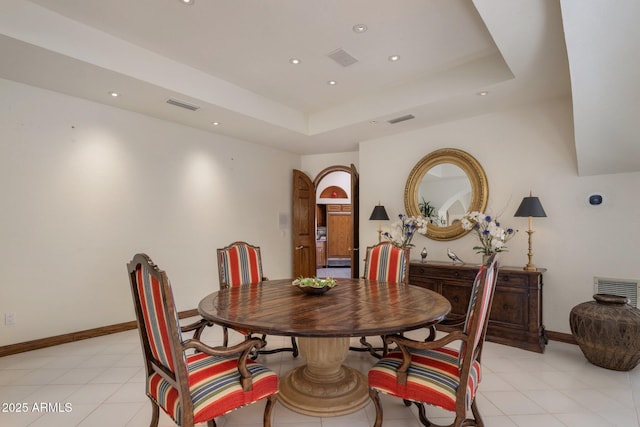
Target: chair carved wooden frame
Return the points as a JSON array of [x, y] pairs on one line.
[[386, 263], [191, 381], [435, 373], [240, 264]]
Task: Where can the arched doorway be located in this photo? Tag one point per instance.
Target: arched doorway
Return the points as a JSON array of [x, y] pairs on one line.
[[335, 222], [325, 222]]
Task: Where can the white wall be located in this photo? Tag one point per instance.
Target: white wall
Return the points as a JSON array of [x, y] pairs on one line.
[[521, 150], [313, 165], [85, 186]]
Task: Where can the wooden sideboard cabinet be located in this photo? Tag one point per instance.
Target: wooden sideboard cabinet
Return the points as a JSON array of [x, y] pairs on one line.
[[516, 313]]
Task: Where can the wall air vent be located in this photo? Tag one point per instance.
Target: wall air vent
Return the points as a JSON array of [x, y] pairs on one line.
[[622, 287], [342, 57], [182, 104], [401, 119]]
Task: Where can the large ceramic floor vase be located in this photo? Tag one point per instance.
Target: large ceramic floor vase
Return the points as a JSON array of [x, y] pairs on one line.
[[608, 331]]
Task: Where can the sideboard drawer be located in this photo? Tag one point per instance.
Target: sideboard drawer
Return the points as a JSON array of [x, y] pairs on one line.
[[424, 269], [507, 278]]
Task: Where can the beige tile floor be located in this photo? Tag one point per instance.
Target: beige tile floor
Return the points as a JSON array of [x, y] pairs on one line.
[[101, 379]]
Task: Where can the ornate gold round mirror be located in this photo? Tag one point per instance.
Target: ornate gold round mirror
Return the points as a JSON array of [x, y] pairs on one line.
[[444, 186]]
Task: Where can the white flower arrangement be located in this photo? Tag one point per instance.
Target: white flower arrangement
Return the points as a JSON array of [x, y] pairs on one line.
[[404, 229], [491, 235]]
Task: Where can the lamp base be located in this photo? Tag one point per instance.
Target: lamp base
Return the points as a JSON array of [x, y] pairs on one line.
[[530, 266]]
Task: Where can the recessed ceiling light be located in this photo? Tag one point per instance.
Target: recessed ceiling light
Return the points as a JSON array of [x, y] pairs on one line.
[[332, 82], [114, 94], [188, 2], [483, 93], [359, 28], [394, 58], [295, 61], [215, 123]]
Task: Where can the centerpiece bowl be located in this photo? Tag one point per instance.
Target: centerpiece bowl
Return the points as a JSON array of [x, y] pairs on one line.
[[314, 285]]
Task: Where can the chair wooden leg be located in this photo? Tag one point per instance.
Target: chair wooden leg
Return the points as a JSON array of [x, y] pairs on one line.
[[476, 414], [155, 414], [432, 333], [198, 333], [422, 415], [266, 419], [459, 421], [225, 337], [375, 397], [211, 423]]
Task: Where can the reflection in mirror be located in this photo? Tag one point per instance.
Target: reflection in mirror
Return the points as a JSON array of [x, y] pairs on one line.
[[444, 194], [443, 186]]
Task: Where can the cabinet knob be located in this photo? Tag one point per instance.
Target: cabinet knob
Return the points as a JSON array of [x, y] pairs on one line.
[[299, 247]]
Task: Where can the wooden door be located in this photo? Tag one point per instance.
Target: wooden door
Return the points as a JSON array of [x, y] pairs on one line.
[[355, 222], [303, 229]]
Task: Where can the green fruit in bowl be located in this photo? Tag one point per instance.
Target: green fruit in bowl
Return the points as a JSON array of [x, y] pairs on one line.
[[314, 282]]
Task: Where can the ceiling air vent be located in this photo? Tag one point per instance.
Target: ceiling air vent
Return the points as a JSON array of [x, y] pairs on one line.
[[182, 104], [401, 119], [342, 57]]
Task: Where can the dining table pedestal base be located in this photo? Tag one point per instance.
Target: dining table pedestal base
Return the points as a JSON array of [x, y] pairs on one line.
[[324, 386]]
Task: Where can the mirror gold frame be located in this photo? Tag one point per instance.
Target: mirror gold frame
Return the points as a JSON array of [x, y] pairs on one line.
[[477, 178]]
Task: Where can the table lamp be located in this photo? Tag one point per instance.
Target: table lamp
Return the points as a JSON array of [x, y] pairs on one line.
[[379, 214], [530, 207]]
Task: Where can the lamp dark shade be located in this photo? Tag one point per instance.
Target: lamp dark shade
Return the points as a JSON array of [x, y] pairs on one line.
[[531, 206], [379, 214]]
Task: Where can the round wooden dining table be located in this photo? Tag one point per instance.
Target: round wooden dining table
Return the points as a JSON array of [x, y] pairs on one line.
[[324, 385]]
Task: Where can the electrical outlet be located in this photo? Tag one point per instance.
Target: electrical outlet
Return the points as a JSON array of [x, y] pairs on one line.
[[9, 319]]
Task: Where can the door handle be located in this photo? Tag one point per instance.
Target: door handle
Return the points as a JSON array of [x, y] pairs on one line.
[[299, 247]]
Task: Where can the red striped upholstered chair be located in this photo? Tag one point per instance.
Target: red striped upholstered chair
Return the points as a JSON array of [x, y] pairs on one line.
[[240, 264], [436, 372], [192, 382], [385, 263]]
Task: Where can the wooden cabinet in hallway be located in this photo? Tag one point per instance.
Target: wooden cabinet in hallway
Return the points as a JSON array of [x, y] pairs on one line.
[[339, 231]]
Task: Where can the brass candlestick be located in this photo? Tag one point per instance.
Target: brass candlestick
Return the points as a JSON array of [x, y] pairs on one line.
[[530, 266], [530, 207]]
